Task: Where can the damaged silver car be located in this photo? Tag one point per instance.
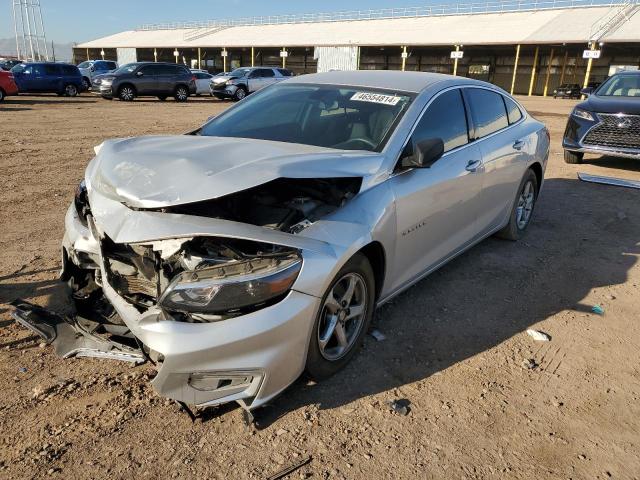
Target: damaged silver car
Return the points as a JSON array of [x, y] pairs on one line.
[[257, 247]]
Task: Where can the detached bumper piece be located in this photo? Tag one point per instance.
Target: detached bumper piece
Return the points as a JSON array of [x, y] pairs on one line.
[[72, 337], [616, 182]]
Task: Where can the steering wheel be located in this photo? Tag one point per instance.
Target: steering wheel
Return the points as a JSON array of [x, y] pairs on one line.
[[366, 141]]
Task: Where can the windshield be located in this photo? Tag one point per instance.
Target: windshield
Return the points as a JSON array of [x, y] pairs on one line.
[[240, 72], [128, 68], [85, 65], [620, 86], [346, 118]]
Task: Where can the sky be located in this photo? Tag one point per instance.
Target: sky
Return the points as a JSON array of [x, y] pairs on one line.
[[79, 21]]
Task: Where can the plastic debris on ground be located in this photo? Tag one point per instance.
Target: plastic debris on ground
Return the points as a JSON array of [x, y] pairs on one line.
[[538, 336], [529, 364], [401, 407], [598, 310], [378, 335]]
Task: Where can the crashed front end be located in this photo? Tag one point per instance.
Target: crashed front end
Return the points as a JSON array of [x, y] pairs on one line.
[[223, 307]]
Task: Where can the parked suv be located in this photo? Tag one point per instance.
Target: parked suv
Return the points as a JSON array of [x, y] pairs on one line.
[[92, 68], [608, 122], [567, 90], [47, 77], [149, 79], [7, 85], [243, 81]]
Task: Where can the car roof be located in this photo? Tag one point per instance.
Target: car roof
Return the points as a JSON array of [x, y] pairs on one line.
[[629, 72], [385, 79]]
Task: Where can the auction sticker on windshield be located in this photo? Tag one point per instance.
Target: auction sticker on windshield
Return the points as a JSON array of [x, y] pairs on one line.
[[376, 98]]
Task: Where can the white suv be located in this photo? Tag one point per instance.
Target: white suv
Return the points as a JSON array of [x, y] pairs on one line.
[[245, 80]]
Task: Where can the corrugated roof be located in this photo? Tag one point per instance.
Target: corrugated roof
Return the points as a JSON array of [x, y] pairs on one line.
[[568, 25]]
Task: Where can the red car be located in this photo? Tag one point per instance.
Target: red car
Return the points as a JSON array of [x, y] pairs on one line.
[[7, 85]]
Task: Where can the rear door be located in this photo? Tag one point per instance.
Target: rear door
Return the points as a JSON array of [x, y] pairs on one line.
[[203, 80], [503, 149], [254, 80], [436, 207]]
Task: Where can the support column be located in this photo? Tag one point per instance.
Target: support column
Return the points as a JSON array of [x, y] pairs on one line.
[[199, 59], [546, 80], [455, 61], [588, 72], [155, 55], [224, 59], [102, 53], [404, 57], [533, 71], [284, 59], [515, 69], [88, 57], [253, 56], [564, 66]]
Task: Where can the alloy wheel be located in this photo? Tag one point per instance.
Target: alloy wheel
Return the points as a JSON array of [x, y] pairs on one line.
[[181, 94], [126, 94], [240, 94], [71, 91], [526, 201], [342, 316]]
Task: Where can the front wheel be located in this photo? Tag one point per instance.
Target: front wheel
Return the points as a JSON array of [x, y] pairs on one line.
[[240, 94], [127, 93], [522, 209], [70, 90], [573, 157], [182, 94], [344, 317]]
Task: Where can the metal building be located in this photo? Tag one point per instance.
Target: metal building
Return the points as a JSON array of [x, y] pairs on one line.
[[525, 47]]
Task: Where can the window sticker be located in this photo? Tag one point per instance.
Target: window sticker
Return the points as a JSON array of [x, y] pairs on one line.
[[376, 98]]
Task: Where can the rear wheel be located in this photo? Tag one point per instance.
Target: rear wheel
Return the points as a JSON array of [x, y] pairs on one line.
[[70, 90], [522, 208], [2, 95], [181, 94], [126, 93], [343, 319], [573, 157]]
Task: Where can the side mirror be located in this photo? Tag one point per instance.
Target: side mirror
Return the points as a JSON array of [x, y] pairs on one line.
[[140, 74], [425, 153], [93, 68], [587, 91]]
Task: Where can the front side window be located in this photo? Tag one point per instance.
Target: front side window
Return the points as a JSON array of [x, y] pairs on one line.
[[51, 70], [445, 118], [267, 73], [488, 111], [240, 72], [347, 118], [620, 86], [128, 68]]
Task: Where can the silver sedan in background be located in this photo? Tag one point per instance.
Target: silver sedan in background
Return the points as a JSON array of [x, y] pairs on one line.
[[258, 246]]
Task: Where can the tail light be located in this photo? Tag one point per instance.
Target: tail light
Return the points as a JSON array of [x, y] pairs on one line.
[[193, 78]]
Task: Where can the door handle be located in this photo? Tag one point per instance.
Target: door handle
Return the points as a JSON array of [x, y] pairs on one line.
[[473, 165], [518, 144]]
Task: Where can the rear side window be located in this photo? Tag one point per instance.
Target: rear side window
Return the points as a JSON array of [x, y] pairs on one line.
[[488, 111], [51, 70], [267, 72], [513, 111], [285, 73], [445, 118], [110, 65], [153, 70], [69, 70]]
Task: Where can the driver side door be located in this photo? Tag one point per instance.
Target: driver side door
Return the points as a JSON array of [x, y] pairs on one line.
[[437, 207]]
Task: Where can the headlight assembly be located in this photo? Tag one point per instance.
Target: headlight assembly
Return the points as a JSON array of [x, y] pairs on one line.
[[231, 287], [578, 112]]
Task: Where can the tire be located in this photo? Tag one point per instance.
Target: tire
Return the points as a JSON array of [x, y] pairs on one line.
[[523, 207], [162, 98], [573, 157], [86, 84], [2, 95], [326, 355], [181, 94], [241, 93], [70, 90], [127, 93]]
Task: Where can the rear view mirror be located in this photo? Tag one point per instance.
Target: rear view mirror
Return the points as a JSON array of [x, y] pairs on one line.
[[587, 91], [425, 153]]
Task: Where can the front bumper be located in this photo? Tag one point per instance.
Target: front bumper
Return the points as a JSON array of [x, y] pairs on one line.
[[105, 90], [225, 91], [576, 132], [249, 358]]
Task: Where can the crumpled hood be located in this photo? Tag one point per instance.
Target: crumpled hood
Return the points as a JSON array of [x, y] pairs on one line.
[[163, 171]]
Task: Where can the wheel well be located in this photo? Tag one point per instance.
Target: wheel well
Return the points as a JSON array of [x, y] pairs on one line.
[[375, 254], [84, 77], [181, 85], [537, 169]]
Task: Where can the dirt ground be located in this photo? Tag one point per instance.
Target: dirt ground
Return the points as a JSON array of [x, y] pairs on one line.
[[455, 345]]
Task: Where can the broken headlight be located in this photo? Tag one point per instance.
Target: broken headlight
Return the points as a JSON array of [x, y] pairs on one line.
[[81, 201], [232, 287]]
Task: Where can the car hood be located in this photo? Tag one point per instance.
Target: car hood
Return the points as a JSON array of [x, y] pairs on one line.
[[222, 78], [629, 105], [163, 171]]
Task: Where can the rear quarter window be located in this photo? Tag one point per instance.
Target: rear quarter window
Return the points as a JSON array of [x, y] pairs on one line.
[[514, 114]]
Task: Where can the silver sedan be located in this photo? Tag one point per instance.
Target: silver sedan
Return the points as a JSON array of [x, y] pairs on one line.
[[258, 246]]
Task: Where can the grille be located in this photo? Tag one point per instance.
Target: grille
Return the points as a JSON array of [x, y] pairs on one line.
[[621, 131]]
